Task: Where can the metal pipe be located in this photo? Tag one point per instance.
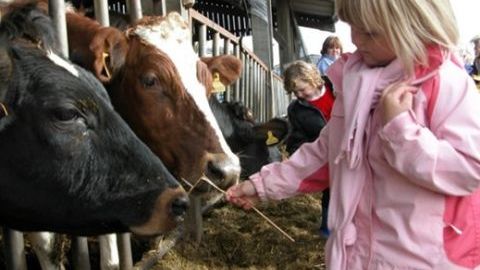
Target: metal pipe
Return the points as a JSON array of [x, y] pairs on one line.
[[216, 44], [81, 258], [56, 9], [101, 12], [14, 250], [135, 10], [124, 251], [202, 40]]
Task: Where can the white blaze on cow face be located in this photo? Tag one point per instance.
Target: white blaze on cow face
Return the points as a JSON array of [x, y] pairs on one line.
[[61, 62], [172, 36]]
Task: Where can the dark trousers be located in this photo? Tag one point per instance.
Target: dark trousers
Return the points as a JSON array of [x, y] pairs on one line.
[[325, 200]]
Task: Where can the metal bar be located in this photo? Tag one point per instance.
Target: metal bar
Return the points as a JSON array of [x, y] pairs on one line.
[[124, 251], [260, 100], [202, 40], [216, 44], [269, 84], [14, 250], [254, 96], [193, 220], [236, 93], [81, 258], [246, 78], [226, 51], [263, 101], [226, 46], [135, 10], [101, 12], [56, 9], [258, 90], [251, 85]]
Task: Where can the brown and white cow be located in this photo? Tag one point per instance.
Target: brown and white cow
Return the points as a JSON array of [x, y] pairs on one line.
[[152, 75]]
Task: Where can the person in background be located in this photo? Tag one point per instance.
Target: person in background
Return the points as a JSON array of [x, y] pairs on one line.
[[331, 50], [476, 48], [401, 152], [308, 113], [474, 69]]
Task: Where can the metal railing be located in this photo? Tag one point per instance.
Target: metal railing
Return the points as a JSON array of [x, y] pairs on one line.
[[258, 87]]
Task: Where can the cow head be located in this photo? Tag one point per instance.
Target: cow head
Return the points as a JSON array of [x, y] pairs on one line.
[[157, 91], [68, 162], [255, 143], [101, 50]]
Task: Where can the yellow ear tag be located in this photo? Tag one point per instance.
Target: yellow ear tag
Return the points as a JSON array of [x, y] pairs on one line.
[[105, 67], [271, 139], [4, 109], [217, 84]]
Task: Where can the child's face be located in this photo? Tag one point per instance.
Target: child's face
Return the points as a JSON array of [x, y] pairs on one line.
[[334, 51], [476, 48], [306, 91], [374, 48]]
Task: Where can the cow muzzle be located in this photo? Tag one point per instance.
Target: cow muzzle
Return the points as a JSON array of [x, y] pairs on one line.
[[169, 211], [222, 169]]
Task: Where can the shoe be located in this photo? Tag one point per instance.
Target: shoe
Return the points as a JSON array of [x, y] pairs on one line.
[[324, 233]]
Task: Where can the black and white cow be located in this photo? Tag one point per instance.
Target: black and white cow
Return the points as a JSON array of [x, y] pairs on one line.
[[254, 143], [68, 162]]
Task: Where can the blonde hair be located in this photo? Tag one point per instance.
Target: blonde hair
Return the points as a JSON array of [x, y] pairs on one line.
[[301, 71], [410, 25], [331, 42]]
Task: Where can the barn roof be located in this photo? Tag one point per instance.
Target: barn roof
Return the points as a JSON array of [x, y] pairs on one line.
[[234, 14]]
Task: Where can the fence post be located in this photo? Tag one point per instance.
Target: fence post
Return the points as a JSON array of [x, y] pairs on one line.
[[56, 9], [14, 249], [125, 251], [101, 12], [81, 258], [193, 220]]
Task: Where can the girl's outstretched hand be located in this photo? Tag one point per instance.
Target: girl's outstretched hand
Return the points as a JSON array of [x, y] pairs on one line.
[[396, 99], [243, 195]]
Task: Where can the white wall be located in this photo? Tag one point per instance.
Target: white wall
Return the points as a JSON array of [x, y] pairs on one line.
[[466, 13]]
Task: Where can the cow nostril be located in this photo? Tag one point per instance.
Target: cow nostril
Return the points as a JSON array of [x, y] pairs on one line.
[[215, 171], [180, 206]]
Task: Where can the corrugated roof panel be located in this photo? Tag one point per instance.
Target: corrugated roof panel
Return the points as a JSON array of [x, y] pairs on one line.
[[309, 13]]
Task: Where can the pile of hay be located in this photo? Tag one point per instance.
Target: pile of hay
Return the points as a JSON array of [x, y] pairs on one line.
[[235, 239]]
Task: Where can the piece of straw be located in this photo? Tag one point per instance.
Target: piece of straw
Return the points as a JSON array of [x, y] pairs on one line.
[[253, 207], [190, 185]]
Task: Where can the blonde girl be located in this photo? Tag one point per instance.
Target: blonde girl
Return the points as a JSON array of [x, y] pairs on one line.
[[405, 174]]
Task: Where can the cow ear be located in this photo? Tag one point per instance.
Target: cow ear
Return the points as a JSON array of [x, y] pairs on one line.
[[5, 77], [228, 67], [204, 76], [109, 47], [273, 132]]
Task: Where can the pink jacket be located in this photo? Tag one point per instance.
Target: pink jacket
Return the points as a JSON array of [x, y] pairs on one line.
[[413, 199]]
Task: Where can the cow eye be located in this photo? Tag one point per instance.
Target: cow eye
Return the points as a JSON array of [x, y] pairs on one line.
[[63, 114], [149, 80]]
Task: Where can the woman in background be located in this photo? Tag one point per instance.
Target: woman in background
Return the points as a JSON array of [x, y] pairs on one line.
[[331, 50]]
